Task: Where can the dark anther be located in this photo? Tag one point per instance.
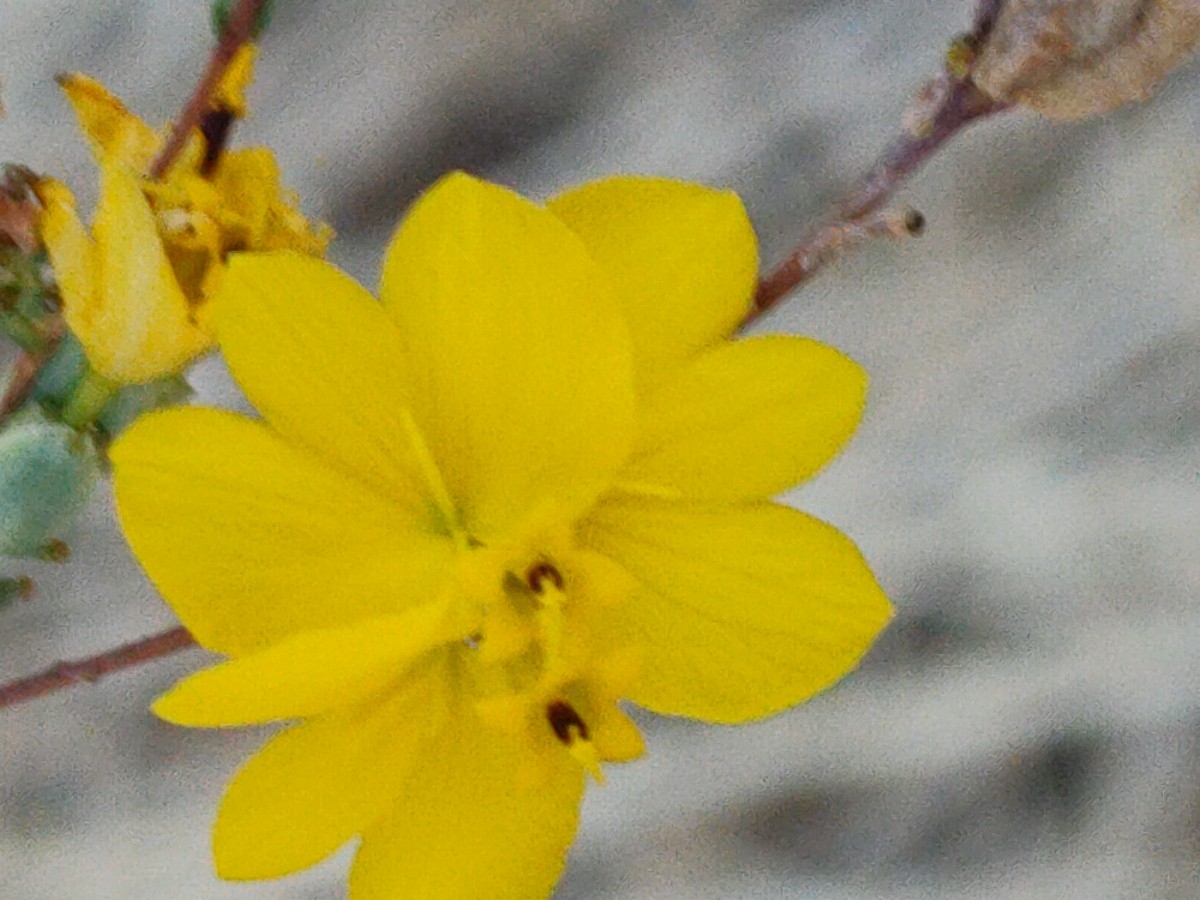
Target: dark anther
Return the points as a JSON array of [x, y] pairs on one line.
[[540, 573], [914, 222], [567, 724], [215, 125]]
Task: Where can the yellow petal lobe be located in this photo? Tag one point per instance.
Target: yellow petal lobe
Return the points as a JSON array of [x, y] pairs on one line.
[[257, 212], [333, 375], [112, 130], [518, 352], [743, 611], [137, 326], [747, 420], [317, 785], [252, 539], [683, 260], [466, 826], [70, 247], [308, 673], [230, 92]]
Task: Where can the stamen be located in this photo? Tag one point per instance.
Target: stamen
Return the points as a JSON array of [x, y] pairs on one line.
[[215, 125], [585, 754], [433, 480], [541, 572], [567, 724]]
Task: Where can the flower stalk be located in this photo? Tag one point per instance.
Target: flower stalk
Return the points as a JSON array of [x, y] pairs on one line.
[[942, 108], [238, 31], [87, 401], [93, 668]]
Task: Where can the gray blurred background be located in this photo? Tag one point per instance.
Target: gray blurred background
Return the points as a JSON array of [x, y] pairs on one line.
[[1026, 483]]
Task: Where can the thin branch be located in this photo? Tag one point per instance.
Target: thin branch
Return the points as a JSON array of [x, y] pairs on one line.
[[986, 14], [943, 108], [25, 369], [24, 373], [19, 211], [825, 245], [956, 104], [237, 32], [67, 674]]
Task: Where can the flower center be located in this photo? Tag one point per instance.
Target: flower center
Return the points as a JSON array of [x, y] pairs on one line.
[[539, 669]]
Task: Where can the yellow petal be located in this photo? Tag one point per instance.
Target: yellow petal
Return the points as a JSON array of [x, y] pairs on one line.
[[258, 213], [616, 736], [247, 181], [111, 129], [745, 610], [287, 229], [230, 92], [138, 326], [321, 360], [315, 786], [747, 420], [251, 540], [518, 351], [683, 260], [308, 673], [465, 826], [72, 253]]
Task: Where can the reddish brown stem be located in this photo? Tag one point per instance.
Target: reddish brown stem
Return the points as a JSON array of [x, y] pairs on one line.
[[945, 107], [958, 104], [986, 14], [25, 370], [66, 674], [21, 379], [238, 31], [826, 244]]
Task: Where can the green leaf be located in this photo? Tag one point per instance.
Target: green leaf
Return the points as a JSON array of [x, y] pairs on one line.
[[221, 10]]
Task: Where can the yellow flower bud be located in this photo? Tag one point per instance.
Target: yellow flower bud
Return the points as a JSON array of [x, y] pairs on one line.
[[135, 289]]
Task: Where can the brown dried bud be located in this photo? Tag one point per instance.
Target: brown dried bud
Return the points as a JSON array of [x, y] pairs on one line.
[[1069, 59], [18, 209]]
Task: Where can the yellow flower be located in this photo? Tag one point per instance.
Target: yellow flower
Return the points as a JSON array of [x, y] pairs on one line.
[[529, 481], [135, 290]]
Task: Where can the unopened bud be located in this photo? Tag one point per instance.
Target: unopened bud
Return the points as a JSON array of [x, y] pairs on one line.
[[1070, 59], [47, 473]]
